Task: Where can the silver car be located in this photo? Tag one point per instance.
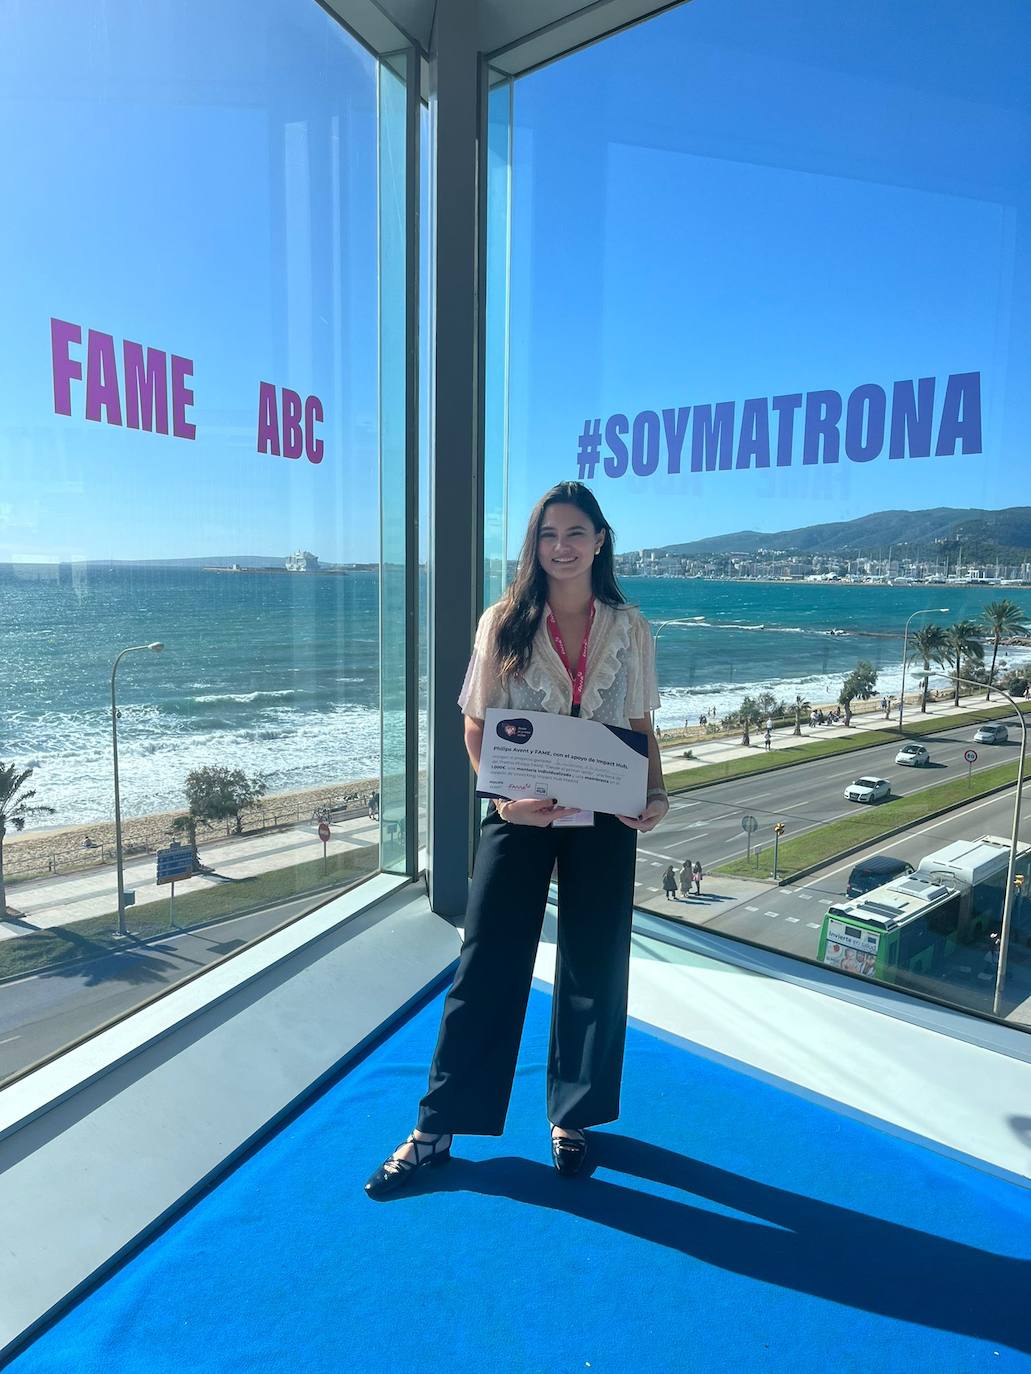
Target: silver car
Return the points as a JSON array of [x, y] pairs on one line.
[[867, 789], [992, 733], [915, 755]]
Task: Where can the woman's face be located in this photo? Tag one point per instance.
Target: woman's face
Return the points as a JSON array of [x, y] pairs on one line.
[[567, 543]]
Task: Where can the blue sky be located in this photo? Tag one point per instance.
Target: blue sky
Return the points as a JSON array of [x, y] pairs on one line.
[[740, 200], [732, 200]]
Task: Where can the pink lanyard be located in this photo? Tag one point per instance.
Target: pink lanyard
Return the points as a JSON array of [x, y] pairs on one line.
[[581, 667]]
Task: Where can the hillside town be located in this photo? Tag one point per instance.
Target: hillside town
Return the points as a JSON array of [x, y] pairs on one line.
[[783, 565]]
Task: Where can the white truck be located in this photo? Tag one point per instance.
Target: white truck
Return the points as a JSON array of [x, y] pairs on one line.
[[979, 867]]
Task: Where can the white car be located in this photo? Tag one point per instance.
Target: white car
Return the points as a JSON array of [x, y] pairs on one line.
[[867, 789], [992, 733], [913, 754]]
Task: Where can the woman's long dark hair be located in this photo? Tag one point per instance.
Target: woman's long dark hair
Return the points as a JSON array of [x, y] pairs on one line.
[[522, 605]]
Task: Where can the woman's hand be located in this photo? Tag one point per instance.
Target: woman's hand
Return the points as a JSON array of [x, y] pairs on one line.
[[649, 817], [530, 811]]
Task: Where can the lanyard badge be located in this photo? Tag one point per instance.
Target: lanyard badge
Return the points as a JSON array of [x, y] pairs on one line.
[[577, 676]]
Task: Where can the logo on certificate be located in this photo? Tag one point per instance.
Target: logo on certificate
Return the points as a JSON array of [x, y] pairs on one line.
[[517, 731]]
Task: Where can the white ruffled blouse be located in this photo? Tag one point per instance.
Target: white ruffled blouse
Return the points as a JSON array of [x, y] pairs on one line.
[[620, 685]]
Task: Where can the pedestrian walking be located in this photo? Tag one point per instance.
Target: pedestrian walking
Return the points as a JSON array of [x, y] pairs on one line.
[[561, 639], [685, 879], [696, 877], [669, 883]]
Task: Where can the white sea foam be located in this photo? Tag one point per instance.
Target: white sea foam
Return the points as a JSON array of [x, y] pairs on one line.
[[722, 698], [295, 748], [292, 749], [246, 698]]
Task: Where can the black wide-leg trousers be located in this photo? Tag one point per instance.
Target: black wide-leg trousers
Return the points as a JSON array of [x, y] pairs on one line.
[[470, 1080]]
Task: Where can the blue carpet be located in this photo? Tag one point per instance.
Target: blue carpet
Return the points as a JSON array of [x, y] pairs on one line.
[[726, 1225]]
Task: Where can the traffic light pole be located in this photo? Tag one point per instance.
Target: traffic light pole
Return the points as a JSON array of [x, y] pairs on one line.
[[778, 830]]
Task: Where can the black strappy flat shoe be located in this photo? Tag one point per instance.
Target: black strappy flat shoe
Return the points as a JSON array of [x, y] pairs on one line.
[[394, 1174], [568, 1153]]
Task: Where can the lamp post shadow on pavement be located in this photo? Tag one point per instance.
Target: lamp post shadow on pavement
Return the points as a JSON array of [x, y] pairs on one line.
[[133, 648]]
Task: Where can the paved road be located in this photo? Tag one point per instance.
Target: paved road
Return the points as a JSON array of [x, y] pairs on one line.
[[706, 823], [56, 901], [789, 918], [41, 1014], [47, 1012]]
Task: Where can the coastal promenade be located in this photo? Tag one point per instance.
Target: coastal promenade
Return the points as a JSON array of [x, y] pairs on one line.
[[60, 900], [725, 748]]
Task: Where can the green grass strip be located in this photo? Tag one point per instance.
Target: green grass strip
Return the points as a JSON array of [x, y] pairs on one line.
[[80, 940], [687, 779], [868, 824]]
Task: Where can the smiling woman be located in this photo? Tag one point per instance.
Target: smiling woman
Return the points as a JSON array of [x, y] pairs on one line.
[[561, 640]]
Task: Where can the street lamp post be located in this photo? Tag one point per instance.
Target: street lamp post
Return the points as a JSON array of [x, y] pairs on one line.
[[118, 803], [687, 624], [931, 610], [1007, 901]]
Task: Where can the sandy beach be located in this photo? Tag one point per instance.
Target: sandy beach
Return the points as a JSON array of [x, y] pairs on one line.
[[60, 848]]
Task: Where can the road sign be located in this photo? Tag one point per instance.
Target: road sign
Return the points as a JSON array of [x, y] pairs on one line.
[[129, 897], [324, 833], [749, 825], [175, 863], [971, 756]]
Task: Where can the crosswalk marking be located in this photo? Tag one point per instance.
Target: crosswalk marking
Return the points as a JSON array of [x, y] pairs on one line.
[[751, 908], [792, 919], [812, 925], [774, 914], [804, 896]]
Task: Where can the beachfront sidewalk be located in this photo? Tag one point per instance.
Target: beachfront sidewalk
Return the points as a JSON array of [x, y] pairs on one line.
[[723, 750], [47, 902], [57, 901]]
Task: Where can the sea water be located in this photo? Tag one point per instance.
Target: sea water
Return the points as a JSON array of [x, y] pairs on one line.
[[278, 673]]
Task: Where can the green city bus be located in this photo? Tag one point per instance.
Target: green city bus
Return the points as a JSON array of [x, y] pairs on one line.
[[909, 925]]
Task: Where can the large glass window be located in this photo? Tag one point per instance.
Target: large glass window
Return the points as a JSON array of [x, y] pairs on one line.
[[759, 275], [204, 373]]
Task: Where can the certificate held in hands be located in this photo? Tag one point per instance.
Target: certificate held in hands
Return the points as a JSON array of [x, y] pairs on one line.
[[581, 763]]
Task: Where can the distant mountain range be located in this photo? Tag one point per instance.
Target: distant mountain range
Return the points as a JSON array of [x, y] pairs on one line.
[[1008, 531]]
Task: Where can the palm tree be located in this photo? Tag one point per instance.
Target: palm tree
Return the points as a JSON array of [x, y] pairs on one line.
[[1002, 619], [962, 640], [927, 645], [801, 706], [859, 683], [14, 811]]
